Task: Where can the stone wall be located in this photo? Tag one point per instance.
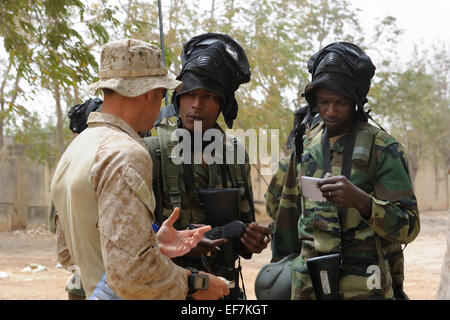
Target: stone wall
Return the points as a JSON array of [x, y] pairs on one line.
[[24, 190], [431, 187]]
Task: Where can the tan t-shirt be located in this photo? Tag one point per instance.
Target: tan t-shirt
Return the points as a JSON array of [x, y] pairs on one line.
[[102, 192]]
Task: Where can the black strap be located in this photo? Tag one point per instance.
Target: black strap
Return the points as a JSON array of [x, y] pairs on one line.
[[224, 167], [298, 138], [242, 181], [349, 145], [154, 148], [159, 188], [189, 182], [371, 118], [326, 152]]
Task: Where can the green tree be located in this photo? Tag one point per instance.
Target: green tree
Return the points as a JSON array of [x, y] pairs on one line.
[[416, 105], [53, 43], [39, 139], [8, 98], [44, 47]]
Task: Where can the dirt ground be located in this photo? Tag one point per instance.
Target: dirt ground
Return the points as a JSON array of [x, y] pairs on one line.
[[19, 249]]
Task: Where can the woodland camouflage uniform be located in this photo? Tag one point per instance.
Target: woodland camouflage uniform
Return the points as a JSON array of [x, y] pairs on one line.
[[395, 218], [191, 210], [218, 64], [370, 249]]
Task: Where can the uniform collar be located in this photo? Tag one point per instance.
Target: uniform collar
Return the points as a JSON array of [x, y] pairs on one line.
[[100, 118]]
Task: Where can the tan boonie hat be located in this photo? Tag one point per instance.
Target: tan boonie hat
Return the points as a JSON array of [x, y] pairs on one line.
[[132, 67]]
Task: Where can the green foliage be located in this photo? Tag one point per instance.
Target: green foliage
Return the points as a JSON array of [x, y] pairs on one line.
[[45, 48], [52, 44], [39, 139], [415, 102], [278, 37]]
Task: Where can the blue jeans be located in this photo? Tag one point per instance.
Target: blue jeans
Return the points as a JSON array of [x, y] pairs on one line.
[[103, 291]]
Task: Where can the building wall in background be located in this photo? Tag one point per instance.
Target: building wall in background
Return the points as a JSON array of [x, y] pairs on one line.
[[431, 188], [25, 189]]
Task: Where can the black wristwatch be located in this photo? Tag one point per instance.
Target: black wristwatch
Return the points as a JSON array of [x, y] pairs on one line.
[[197, 281]]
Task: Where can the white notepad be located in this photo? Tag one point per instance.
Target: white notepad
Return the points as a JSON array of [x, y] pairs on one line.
[[310, 190]]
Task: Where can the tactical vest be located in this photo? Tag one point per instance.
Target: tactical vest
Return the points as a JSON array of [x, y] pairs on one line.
[[168, 177], [171, 183]]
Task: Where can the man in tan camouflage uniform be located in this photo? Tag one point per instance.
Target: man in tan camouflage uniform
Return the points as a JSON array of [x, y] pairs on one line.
[[213, 67], [369, 206], [78, 116], [102, 186]]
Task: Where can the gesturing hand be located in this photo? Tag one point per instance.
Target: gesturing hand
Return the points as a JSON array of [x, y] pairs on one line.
[[205, 246], [173, 243]]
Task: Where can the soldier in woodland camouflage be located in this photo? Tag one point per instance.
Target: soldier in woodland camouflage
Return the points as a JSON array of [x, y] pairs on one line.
[[282, 198], [369, 212], [281, 205], [213, 67]]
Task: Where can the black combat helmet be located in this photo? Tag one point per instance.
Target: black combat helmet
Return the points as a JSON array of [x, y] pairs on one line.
[[215, 62], [79, 114], [342, 67]]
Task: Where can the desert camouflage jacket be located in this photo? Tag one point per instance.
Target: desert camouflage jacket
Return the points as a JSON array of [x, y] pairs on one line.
[[102, 190]]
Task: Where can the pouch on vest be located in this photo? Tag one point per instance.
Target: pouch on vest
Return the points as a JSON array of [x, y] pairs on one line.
[[221, 205], [324, 273]]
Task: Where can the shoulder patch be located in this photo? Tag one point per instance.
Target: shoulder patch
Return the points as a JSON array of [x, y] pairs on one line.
[[140, 187]]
